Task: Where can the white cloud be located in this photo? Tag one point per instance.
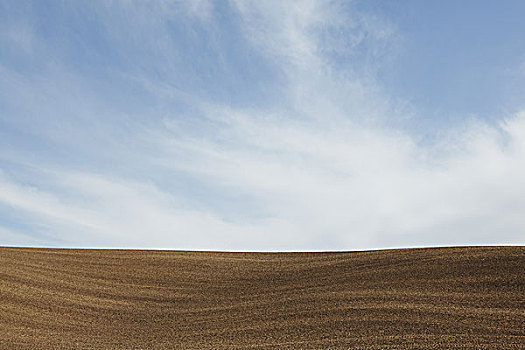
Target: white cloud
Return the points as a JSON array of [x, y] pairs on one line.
[[105, 212], [199, 8], [282, 29], [319, 188], [364, 183], [10, 237], [329, 169]]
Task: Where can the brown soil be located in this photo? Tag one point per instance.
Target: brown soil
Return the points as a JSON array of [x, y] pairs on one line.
[[441, 298]]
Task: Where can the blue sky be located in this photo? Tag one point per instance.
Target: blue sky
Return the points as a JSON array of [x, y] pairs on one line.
[[237, 125], [458, 57]]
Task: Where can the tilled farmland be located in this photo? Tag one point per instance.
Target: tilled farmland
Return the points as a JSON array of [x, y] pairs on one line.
[[439, 298]]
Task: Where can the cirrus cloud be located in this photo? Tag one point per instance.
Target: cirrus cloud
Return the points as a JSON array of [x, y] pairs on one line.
[[144, 157]]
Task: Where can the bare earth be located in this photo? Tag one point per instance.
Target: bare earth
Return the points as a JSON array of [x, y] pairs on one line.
[[441, 298]]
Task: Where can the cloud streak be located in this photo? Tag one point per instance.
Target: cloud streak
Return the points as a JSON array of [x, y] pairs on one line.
[[142, 159]]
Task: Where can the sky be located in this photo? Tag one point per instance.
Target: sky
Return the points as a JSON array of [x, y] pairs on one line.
[[262, 125]]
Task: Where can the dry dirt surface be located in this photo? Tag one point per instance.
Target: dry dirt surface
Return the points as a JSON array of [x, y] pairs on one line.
[[440, 298]]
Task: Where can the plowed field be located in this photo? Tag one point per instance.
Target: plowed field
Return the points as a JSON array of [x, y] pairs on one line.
[[440, 298]]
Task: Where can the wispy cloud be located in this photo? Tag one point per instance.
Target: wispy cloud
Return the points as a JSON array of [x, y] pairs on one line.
[[141, 147], [365, 185]]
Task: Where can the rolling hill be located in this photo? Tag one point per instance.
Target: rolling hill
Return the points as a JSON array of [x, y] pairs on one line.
[[437, 298]]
